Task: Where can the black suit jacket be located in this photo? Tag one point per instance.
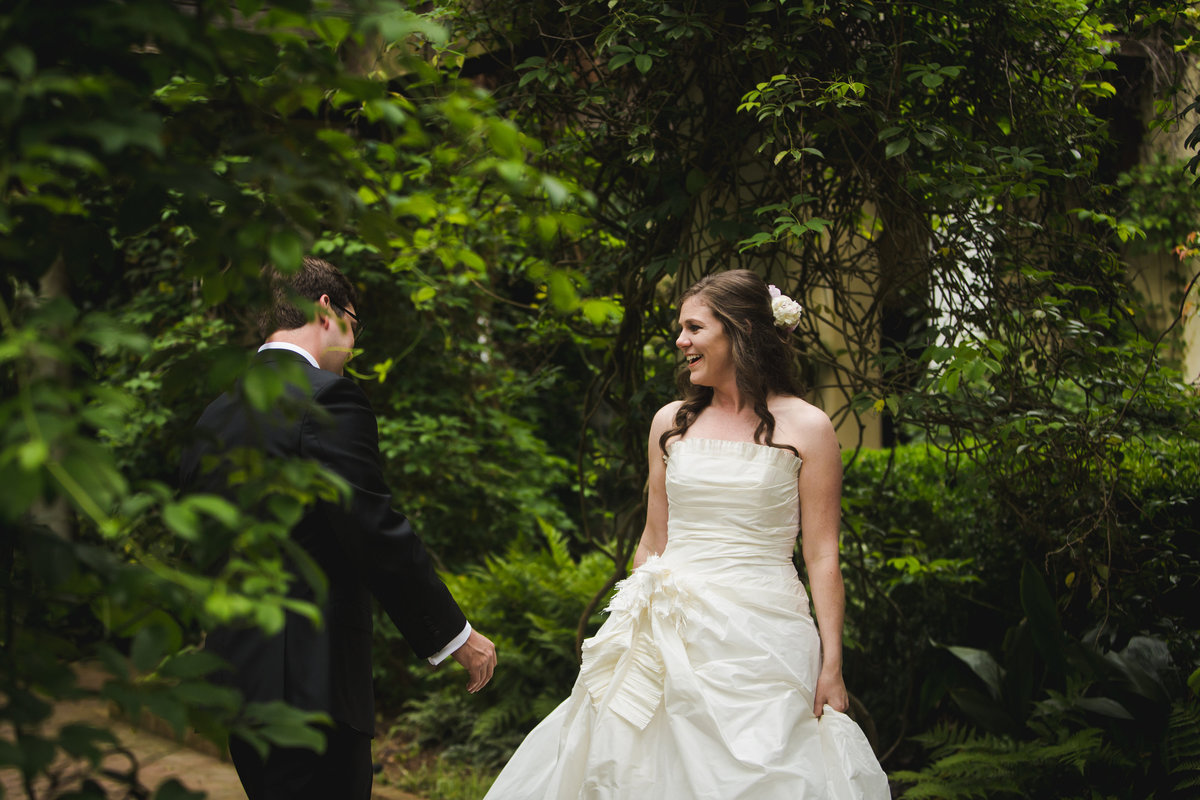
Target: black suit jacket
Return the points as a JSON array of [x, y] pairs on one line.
[[364, 547]]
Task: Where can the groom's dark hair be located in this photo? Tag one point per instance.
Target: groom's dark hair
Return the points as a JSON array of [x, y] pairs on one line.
[[314, 278]]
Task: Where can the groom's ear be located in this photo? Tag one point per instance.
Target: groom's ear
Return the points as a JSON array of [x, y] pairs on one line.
[[322, 310]]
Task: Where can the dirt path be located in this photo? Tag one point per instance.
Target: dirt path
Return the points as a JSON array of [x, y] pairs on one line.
[[195, 764]]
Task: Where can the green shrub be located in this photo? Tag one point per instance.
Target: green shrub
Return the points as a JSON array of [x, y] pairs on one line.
[[932, 550], [932, 555], [1059, 716], [529, 602]]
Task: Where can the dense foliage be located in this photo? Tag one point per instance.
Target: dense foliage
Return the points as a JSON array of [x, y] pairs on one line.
[[954, 191], [156, 156]]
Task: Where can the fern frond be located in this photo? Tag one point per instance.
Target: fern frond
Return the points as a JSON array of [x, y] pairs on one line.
[[981, 765], [1182, 750], [944, 737]]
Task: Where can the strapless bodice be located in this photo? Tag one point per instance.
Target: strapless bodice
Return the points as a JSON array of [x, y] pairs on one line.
[[731, 501]]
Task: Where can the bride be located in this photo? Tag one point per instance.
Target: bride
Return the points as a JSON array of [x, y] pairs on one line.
[[709, 680]]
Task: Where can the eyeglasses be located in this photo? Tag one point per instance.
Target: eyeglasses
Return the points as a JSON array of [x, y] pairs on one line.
[[356, 328]]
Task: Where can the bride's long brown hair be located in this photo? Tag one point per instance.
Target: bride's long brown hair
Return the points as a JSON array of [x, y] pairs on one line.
[[764, 359]]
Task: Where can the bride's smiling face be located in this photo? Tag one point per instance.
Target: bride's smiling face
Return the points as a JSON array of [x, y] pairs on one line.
[[704, 344]]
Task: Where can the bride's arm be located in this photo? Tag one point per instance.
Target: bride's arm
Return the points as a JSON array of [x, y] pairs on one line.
[[820, 520], [654, 535]]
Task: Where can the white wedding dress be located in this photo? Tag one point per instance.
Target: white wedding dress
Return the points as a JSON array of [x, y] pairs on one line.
[[699, 685]]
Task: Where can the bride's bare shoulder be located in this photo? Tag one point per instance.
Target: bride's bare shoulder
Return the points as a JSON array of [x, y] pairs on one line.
[[797, 410], [669, 410], [799, 423], [664, 419]]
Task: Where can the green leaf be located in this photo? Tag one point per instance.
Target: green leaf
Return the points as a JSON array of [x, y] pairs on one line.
[[149, 646], [225, 607], [172, 789], [10, 756], [32, 454], [190, 664], [82, 741], [37, 754], [182, 519], [22, 61], [399, 23], [26, 708], [333, 30], [620, 60], [377, 228], [215, 506], [472, 261], [262, 387], [285, 726], [130, 129], [984, 711], [896, 147], [269, 617], [504, 138], [1043, 618], [200, 694], [19, 487], [643, 62], [600, 311], [294, 736], [423, 296], [286, 250], [287, 510], [556, 190], [1104, 706], [562, 291], [755, 241], [982, 664], [421, 206], [167, 708]]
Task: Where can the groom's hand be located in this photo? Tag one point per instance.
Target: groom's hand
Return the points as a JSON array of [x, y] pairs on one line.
[[478, 657]]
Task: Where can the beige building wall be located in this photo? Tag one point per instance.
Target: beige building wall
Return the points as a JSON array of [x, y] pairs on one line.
[[831, 365], [1191, 338], [829, 391], [1162, 277]]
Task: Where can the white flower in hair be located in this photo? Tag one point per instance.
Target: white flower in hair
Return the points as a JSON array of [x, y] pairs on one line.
[[787, 311]]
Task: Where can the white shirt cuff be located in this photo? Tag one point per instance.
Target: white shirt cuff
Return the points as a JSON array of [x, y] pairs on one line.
[[455, 643]]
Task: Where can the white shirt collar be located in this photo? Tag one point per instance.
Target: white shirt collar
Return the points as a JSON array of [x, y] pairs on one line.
[[295, 348]]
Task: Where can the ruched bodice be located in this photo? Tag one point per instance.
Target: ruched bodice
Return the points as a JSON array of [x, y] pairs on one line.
[[729, 500]]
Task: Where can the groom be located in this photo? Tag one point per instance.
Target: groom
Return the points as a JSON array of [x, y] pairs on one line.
[[363, 546]]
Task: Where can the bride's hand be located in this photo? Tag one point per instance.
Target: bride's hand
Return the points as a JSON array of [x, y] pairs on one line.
[[831, 690]]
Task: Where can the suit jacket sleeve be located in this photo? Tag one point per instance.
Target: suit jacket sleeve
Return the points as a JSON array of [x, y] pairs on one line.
[[376, 539]]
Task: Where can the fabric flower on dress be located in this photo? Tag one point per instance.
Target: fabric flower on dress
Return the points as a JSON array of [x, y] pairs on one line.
[[650, 586], [787, 311], [622, 665]]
